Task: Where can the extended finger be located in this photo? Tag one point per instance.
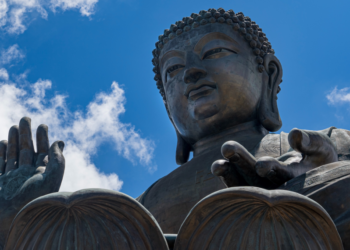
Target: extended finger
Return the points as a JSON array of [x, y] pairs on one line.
[[55, 167], [42, 142], [12, 149], [26, 148], [236, 153], [220, 167], [311, 143], [270, 168], [244, 162], [3, 146], [227, 173]]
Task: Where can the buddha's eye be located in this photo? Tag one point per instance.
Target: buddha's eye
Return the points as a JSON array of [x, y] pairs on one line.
[[173, 70], [218, 53]]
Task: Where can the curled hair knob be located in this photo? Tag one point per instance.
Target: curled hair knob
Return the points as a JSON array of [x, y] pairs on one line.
[[243, 31], [236, 26], [179, 32], [226, 15], [259, 60], [173, 28], [195, 24], [204, 22], [187, 28], [198, 18], [207, 15], [172, 35], [221, 20], [248, 37]]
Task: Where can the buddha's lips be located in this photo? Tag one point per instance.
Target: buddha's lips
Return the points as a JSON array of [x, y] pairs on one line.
[[197, 91], [194, 90]]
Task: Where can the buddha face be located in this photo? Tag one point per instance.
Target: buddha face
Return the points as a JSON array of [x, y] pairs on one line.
[[211, 81]]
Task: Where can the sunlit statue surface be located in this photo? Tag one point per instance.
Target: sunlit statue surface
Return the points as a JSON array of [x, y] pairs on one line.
[[219, 79], [219, 82]]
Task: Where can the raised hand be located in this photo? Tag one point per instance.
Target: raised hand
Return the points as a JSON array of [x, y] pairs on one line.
[[24, 173], [312, 149]]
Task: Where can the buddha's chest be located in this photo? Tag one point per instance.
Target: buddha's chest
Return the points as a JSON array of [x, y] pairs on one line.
[[173, 196]]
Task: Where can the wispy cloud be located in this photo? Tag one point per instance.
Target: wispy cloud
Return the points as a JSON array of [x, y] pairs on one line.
[[4, 75], [339, 96], [83, 131], [15, 15], [86, 7], [11, 55]]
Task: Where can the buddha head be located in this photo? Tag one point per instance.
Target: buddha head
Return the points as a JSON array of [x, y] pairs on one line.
[[216, 70]]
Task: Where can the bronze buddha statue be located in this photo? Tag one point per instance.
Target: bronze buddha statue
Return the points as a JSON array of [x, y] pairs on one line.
[[219, 79]]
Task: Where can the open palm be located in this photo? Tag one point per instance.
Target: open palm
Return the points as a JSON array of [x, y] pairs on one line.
[[24, 173], [311, 150]]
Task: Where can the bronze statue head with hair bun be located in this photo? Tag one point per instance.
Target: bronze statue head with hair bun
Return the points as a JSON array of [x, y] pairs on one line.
[[216, 70]]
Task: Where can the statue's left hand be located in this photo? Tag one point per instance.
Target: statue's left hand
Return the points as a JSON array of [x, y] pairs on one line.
[[312, 149], [24, 173]]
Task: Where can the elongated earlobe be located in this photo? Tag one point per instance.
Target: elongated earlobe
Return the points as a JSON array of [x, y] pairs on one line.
[[268, 113], [183, 150]]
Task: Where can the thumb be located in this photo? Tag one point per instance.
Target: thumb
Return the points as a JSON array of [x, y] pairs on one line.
[[56, 165], [312, 143]]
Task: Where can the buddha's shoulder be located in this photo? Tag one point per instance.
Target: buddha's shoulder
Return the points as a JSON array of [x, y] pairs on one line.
[[275, 145]]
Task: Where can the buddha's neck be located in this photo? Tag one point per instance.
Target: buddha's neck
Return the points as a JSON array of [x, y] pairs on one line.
[[248, 134]]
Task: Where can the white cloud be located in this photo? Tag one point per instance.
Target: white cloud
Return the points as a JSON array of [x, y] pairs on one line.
[[339, 96], [4, 75], [11, 54], [82, 131], [86, 7], [15, 15]]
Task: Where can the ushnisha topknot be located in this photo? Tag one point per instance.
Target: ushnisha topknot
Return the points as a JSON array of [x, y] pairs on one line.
[[250, 30]]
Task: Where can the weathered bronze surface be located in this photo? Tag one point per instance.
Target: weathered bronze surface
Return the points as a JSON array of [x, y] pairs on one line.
[[90, 219], [219, 92], [219, 79], [254, 218], [232, 218], [25, 174], [327, 185]]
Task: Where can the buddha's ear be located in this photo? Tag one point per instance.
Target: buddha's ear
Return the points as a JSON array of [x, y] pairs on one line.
[[272, 77], [183, 150]]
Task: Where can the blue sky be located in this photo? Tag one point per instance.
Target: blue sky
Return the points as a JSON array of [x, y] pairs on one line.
[[84, 68]]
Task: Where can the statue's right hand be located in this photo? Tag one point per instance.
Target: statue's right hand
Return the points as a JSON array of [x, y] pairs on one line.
[[311, 150], [24, 173], [238, 161]]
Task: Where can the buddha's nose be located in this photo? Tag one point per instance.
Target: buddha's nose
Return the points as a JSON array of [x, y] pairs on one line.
[[194, 74]]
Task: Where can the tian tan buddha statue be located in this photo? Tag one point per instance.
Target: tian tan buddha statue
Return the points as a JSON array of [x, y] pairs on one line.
[[244, 188]]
